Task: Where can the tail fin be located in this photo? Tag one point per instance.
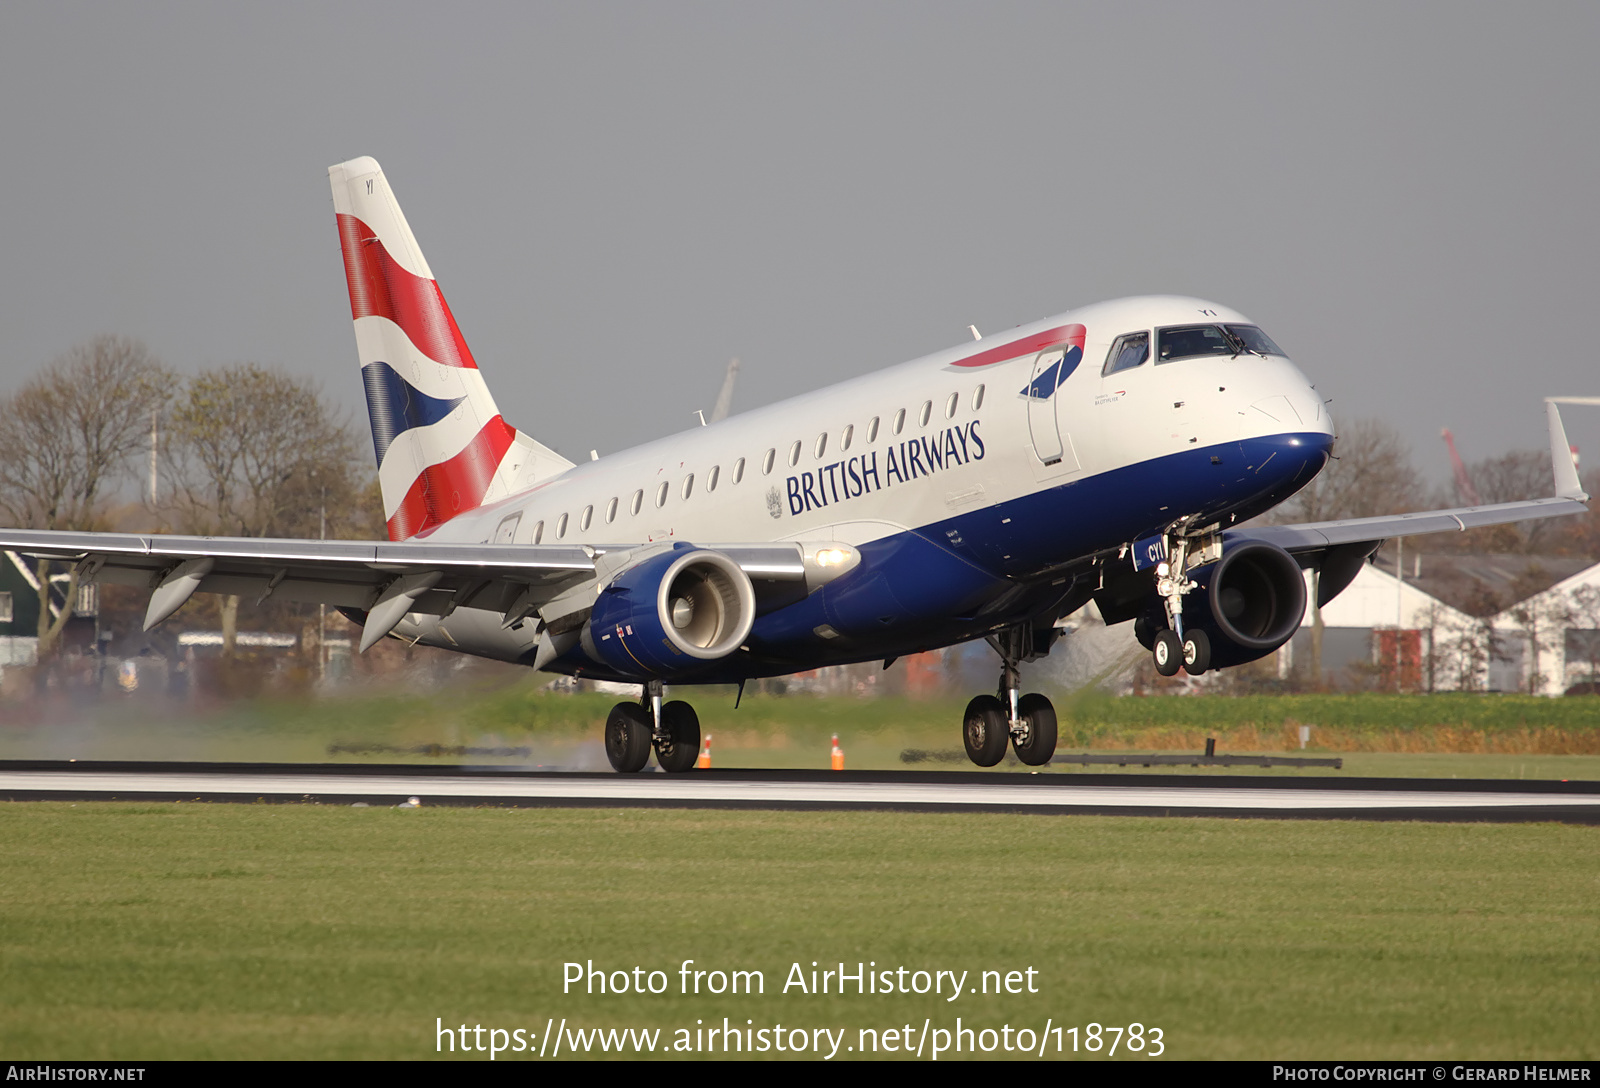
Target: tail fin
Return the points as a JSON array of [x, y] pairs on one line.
[[442, 446]]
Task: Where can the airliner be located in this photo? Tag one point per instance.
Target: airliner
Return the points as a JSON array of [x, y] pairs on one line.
[[1110, 454]]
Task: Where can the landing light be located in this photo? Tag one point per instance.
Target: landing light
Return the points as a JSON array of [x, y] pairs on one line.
[[1162, 569], [830, 557]]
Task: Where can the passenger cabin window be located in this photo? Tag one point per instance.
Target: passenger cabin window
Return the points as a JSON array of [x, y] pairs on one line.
[[611, 511], [711, 480], [844, 439], [688, 485], [794, 454], [766, 463], [538, 533], [977, 398], [950, 405], [1128, 352], [872, 431], [738, 470], [900, 421], [926, 413], [588, 516], [638, 502], [661, 494], [561, 526], [822, 445]]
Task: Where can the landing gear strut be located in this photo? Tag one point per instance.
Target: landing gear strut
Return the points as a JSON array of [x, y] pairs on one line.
[[672, 729], [1175, 647], [1028, 722]]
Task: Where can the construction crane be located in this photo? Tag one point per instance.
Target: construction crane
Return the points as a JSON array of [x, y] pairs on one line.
[[1464, 489]]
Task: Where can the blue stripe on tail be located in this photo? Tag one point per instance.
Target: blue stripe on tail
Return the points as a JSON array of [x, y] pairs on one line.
[[395, 405]]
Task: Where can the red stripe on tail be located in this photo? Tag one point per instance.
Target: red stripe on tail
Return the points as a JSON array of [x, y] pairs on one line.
[[452, 487], [380, 287]]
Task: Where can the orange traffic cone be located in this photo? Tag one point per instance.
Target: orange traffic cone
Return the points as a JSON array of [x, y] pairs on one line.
[[838, 754], [705, 754]]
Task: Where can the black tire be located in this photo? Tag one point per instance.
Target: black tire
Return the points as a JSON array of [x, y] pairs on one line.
[[1196, 653], [682, 746], [628, 738], [984, 731], [1040, 714], [1167, 653]]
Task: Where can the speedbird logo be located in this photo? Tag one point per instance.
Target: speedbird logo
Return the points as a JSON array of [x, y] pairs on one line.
[[1055, 365]]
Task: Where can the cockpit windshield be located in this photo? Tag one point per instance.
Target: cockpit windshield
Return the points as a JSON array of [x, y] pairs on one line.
[[1188, 341], [1256, 340], [1127, 352]]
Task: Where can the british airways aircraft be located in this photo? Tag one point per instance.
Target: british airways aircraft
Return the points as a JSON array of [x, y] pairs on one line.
[[986, 491]]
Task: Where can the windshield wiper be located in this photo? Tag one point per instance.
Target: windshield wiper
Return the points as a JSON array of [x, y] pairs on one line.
[[1238, 343]]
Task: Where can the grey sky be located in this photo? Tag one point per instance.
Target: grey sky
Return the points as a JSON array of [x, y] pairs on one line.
[[617, 198]]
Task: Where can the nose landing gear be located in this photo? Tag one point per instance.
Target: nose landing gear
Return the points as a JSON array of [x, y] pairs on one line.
[[1027, 722], [1175, 647]]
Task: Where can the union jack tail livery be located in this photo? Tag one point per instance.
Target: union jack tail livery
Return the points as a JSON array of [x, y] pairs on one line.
[[441, 444]]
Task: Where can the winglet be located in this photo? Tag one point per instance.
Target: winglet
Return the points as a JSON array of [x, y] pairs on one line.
[[1566, 470]]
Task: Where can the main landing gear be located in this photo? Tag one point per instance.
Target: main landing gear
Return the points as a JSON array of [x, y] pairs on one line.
[[1027, 722], [672, 729]]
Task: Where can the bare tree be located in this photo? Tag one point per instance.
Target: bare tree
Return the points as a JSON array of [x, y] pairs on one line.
[[254, 452], [1371, 473], [1541, 623], [66, 441]]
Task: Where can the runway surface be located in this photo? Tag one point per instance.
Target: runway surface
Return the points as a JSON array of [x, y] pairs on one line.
[[1133, 794]]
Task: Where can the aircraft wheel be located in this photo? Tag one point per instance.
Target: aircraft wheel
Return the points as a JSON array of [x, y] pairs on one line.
[[1144, 632], [1040, 715], [682, 746], [984, 731], [1196, 653], [1168, 653], [628, 737]]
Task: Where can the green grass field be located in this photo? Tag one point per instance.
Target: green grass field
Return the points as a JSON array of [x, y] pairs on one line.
[[1448, 735], [147, 931]]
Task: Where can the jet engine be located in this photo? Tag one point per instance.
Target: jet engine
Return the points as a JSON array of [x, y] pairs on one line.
[[1250, 603], [671, 615]]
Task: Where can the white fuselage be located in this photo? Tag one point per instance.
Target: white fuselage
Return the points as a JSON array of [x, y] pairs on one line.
[[935, 448]]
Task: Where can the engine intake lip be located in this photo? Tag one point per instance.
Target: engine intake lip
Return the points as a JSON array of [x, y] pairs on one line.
[[1257, 595], [706, 605]]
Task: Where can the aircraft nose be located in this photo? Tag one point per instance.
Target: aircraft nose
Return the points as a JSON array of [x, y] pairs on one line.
[[1298, 408]]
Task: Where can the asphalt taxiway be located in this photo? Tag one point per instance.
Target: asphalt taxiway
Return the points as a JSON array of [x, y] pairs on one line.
[[1132, 794]]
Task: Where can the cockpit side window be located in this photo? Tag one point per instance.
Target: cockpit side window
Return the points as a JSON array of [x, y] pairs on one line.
[[1188, 341], [1128, 352], [1255, 340]]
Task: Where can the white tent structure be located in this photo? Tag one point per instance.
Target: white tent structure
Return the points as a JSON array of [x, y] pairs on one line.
[[1550, 642]]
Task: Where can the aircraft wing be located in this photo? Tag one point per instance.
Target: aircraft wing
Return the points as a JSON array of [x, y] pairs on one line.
[[1338, 548], [1316, 535], [423, 577]]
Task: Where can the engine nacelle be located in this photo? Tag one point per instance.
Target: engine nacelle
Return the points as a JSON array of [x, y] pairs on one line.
[[671, 615], [1252, 601]]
